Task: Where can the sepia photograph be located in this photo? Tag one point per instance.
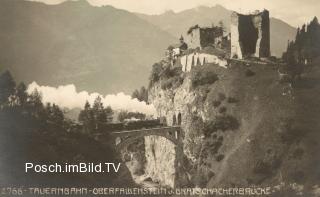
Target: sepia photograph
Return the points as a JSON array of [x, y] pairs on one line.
[[160, 98]]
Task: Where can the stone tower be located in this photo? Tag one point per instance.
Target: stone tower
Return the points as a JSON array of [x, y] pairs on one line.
[[250, 35]]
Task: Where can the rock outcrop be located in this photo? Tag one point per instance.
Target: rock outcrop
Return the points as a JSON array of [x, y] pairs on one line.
[[160, 160]]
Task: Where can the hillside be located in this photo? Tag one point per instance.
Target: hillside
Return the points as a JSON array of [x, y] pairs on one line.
[[178, 23], [95, 48], [244, 118]]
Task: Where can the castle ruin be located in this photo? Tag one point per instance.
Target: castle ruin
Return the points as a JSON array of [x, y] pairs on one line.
[[250, 35], [201, 37]]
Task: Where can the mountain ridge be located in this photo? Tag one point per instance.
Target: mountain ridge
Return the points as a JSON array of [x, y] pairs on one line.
[[95, 48]]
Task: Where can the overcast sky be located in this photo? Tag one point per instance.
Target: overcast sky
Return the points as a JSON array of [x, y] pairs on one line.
[[295, 12]]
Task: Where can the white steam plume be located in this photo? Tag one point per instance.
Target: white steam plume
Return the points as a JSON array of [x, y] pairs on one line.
[[68, 97]]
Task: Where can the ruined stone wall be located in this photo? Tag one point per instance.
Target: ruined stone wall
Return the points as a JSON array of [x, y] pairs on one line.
[[210, 36], [203, 37], [198, 59], [250, 35], [193, 38]]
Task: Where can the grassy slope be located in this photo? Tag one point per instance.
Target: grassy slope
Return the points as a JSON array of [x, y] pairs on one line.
[[276, 138]]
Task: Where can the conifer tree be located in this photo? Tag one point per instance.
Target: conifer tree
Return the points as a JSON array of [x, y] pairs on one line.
[[21, 94], [94, 118], [7, 86], [86, 117]]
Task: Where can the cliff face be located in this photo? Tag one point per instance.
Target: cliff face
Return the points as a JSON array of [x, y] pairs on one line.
[[244, 128], [164, 159], [160, 160]]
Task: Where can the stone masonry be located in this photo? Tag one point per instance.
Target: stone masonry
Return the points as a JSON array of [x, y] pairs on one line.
[[250, 35], [201, 37]]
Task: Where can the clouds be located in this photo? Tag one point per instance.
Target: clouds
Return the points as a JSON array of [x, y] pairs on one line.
[[295, 12], [68, 97], [50, 2]]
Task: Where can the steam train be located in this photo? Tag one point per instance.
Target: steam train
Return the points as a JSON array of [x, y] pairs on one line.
[[135, 125]]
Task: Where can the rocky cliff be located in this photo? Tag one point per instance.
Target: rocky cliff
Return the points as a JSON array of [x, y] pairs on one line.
[[160, 160], [241, 126]]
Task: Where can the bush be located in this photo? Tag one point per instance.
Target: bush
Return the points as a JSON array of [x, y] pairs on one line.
[[201, 178], [249, 73], [266, 167], [222, 110], [223, 123], [262, 167], [298, 176], [221, 96], [292, 135], [173, 82], [203, 75], [169, 72], [232, 100], [227, 122], [219, 157], [169, 77], [298, 153], [211, 148], [216, 103]]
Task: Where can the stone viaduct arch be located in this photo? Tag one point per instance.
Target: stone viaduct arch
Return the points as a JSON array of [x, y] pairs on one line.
[[125, 138], [173, 133]]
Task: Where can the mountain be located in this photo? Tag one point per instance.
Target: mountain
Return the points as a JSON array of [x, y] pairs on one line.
[[178, 23], [100, 49], [280, 33]]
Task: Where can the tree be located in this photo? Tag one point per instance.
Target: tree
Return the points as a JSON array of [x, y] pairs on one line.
[[141, 95], [34, 104], [135, 94], [94, 118], [155, 73], [99, 113], [21, 94], [7, 86], [57, 115], [306, 46], [109, 114], [97, 104], [86, 117], [83, 115]]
